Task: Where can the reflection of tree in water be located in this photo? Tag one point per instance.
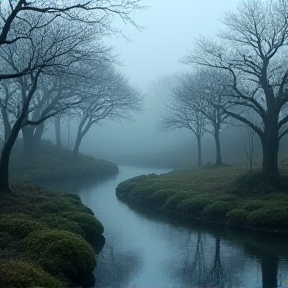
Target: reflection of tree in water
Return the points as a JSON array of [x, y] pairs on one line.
[[204, 269], [115, 268]]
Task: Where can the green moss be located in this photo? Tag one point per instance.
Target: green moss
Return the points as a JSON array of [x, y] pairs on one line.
[[91, 227], [158, 198], [236, 217], [19, 274], [141, 192], [62, 252], [269, 218], [217, 210], [175, 199], [17, 226], [253, 205], [192, 207]]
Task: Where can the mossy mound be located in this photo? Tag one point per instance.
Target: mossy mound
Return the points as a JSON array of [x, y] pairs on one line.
[[50, 163], [50, 231], [62, 252], [213, 195], [20, 274]]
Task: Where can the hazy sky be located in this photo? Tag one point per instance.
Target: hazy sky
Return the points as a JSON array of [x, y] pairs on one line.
[[170, 29]]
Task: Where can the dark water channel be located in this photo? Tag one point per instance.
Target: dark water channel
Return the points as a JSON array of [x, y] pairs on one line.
[[146, 249]]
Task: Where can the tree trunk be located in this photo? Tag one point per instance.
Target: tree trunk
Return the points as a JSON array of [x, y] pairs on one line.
[[38, 133], [77, 145], [57, 127], [27, 133], [270, 147], [5, 156], [218, 160], [6, 123], [199, 149]]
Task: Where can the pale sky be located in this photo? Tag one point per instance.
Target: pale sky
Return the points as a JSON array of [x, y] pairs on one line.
[[171, 27]]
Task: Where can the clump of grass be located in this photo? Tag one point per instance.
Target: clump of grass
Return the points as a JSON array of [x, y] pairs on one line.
[[24, 274], [46, 231], [236, 217], [217, 194], [49, 163]]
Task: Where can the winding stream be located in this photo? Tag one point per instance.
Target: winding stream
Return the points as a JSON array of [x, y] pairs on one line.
[[146, 249]]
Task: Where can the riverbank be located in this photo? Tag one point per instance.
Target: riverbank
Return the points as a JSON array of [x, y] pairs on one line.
[[46, 239], [213, 195], [49, 163]]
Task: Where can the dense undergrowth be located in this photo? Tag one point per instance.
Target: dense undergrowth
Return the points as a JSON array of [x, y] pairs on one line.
[[49, 163], [214, 195], [46, 239]]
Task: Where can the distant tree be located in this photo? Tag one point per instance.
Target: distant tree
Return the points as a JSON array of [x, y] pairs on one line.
[[253, 50], [213, 87], [182, 109], [108, 96]]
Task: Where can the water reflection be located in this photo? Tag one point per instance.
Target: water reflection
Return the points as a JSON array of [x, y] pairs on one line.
[[146, 249]]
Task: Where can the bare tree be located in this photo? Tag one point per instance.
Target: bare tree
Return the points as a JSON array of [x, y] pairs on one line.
[[253, 50], [108, 96], [213, 87], [182, 109], [100, 14], [53, 49]]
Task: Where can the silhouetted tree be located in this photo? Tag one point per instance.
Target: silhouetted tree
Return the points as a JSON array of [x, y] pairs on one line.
[[99, 14], [253, 50], [182, 109], [210, 88], [108, 96]]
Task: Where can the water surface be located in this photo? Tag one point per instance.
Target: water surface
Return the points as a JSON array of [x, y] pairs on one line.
[[146, 249]]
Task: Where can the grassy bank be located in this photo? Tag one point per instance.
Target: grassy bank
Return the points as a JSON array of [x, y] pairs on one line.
[[46, 239], [49, 163], [224, 195]]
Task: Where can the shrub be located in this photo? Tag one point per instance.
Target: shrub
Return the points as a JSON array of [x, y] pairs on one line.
[[269, 217], [142, 191], [217, 210], [193, 206], [175, 199], [18, 274], [56, 221], [19, 227], [159, 197], [236, 217], [63, 252], [91, 227], [253, 205]]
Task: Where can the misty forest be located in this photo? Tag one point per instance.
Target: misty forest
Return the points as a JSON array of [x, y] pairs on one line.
[[122, 168]]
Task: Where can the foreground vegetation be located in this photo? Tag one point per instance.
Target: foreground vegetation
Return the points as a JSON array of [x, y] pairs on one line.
[[50, 163], [46, 239], [214, 195]]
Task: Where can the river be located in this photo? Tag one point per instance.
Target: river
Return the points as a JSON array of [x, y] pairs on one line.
[[146, 249]]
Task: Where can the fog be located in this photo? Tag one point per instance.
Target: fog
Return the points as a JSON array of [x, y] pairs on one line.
[[170, 28]]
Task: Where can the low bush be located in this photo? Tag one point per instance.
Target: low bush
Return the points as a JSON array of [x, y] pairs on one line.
[[62, 252], [159, 197], [91, 227], [192, 207], [57, 221], [19, 227], [217, 210], [175, 199], [141, 192], [269, 218], [19, 274], [236, 217], [253, 205]]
